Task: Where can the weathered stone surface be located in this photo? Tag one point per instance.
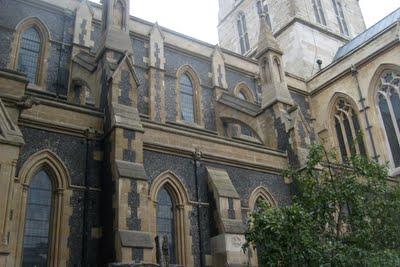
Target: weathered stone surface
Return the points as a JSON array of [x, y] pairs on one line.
[[135, 239], [131, 170], [220, 181]]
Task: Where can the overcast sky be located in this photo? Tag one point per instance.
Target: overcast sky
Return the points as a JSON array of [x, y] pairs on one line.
[[199, 18]]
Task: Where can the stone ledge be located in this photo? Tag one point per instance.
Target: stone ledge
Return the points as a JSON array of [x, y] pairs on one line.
[[135, 239], [239, 104], [131, 170], [233, 226], [221, 182]]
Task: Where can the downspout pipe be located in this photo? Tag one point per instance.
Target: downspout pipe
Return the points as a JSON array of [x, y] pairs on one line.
[[197, 164], [354, 72], [86, 204]]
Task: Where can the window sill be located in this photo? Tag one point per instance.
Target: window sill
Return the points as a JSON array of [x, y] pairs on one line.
[[189, 124], [246, 138], [35, 87]]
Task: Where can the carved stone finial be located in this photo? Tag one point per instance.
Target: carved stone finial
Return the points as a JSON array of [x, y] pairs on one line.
[[266, 40]]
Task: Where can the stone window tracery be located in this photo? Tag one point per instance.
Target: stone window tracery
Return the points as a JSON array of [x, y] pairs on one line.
[[262, 7], [243, 34], [337, 6], [319, 12], [389, 107], [348, 131]]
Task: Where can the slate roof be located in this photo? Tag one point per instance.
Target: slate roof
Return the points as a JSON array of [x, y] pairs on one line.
[[368, 34]]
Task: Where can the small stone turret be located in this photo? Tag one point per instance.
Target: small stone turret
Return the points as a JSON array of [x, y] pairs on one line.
[[115, 26], [269, 55]]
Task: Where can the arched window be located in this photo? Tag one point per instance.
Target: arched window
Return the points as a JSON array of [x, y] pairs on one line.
[[37, 224], [166, 221], [319, 12], [259, 194], [187, 97], [337, 6], [389, 106], [171, 212], [243, 92], [262, 7], [243, 35], [348, 130], [29, 54]]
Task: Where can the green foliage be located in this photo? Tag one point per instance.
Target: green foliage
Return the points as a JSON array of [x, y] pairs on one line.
[[343, 215]]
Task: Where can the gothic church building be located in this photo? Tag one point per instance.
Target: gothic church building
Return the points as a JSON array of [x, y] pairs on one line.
[[123, 143]]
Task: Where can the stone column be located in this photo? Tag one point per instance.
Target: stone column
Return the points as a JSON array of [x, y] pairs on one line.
[[12, 89]]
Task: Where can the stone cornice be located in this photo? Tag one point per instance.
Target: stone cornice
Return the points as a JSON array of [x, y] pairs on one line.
[[206, 135], [347, 70]]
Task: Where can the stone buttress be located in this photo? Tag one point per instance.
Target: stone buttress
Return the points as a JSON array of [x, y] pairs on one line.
[[12, 91], [124, 134]]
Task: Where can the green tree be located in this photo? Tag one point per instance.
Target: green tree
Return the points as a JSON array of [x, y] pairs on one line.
[[343, 215]]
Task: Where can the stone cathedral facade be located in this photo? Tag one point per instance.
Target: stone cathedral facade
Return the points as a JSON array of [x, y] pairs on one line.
[[123, 143]]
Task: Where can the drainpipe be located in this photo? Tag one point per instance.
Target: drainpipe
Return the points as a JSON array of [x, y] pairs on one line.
[[197, 163], [86, 205], [354, 72]]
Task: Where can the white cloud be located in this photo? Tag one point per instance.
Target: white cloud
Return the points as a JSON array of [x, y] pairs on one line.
[[199, 18]]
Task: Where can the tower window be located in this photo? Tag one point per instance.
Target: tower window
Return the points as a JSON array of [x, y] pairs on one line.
[[29, 54], [262, 7], [319, 12], [337, 6], [243, 35]]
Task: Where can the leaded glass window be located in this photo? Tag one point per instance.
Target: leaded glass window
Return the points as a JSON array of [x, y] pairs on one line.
[[29, 54], [187, 94], [243, 35], [37, 224], [166, 220], [337, 6], [319, 12], [262, 7], [348, 130], [389, 106]]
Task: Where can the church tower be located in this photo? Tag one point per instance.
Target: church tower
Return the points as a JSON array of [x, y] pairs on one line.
[[306, 30]]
